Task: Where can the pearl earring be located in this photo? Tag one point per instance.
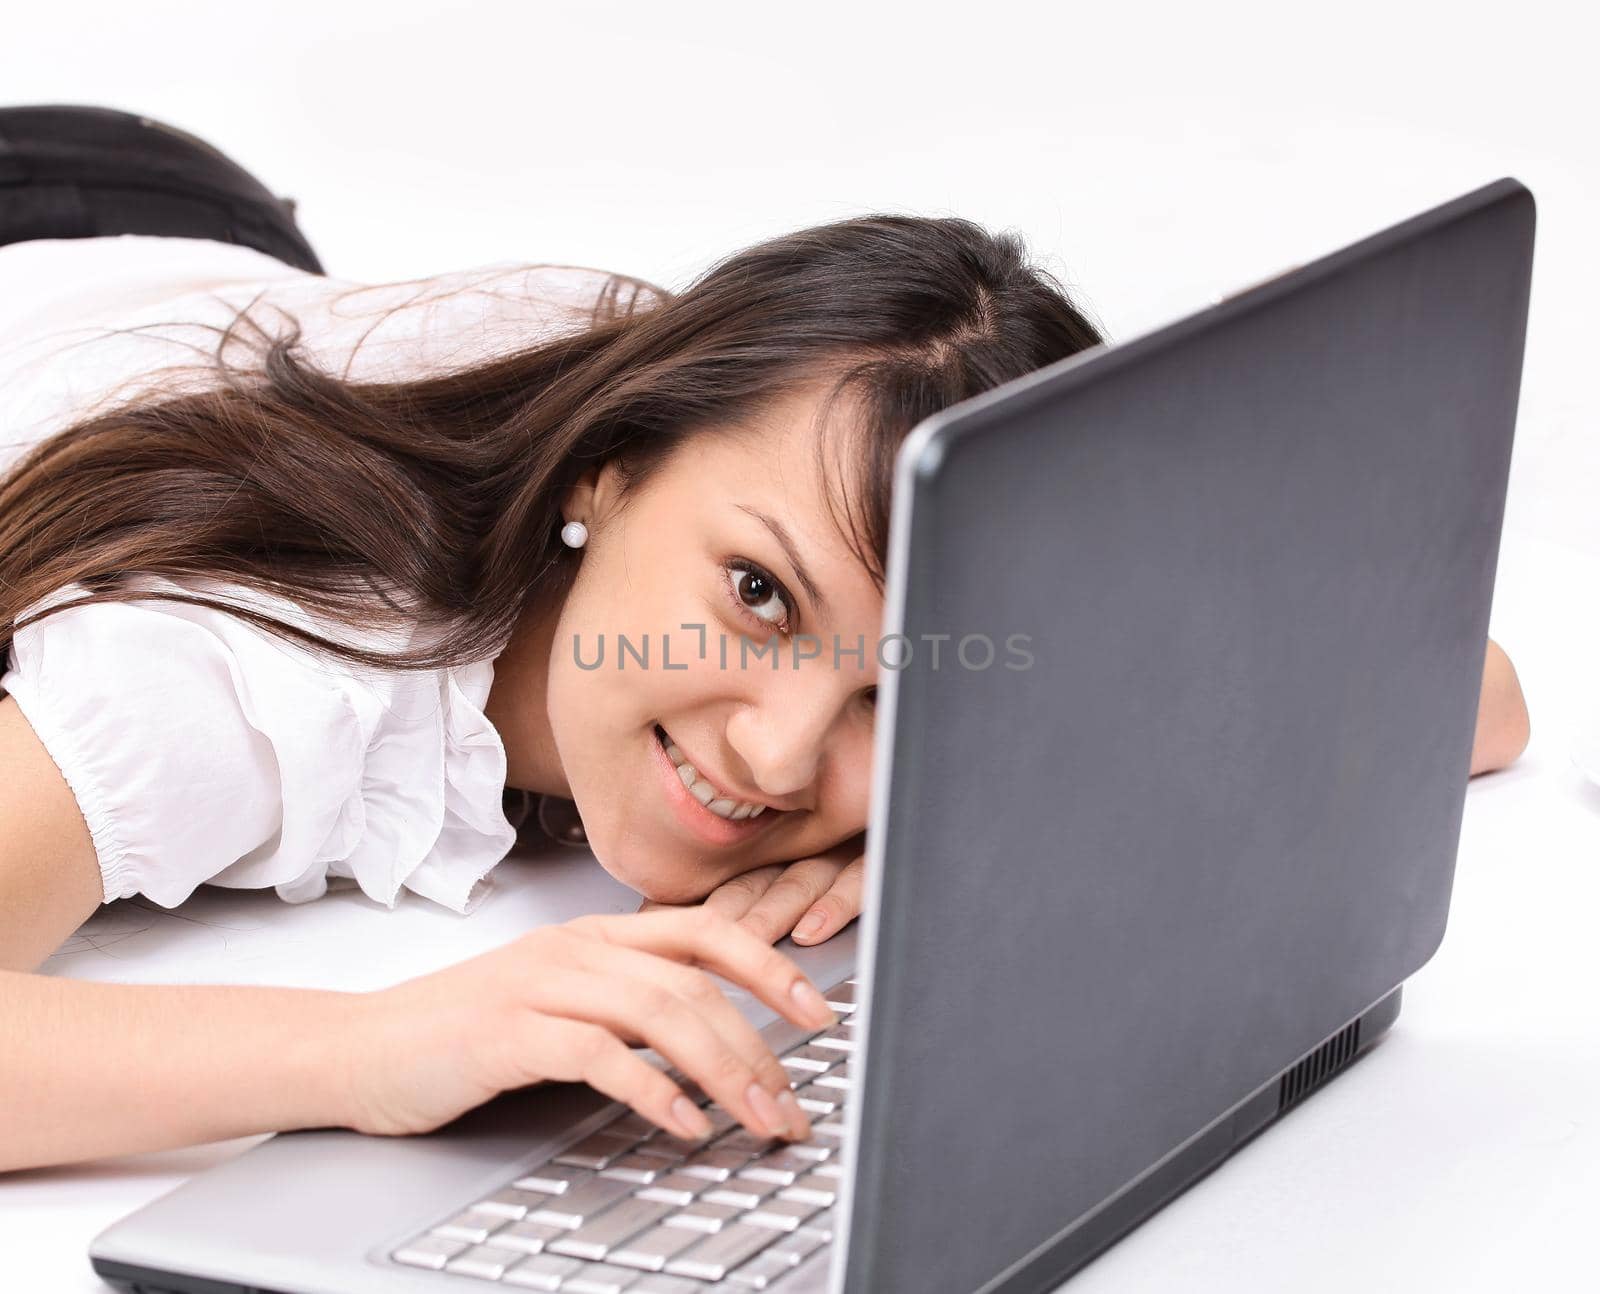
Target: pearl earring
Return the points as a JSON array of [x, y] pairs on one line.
[[574, 534]]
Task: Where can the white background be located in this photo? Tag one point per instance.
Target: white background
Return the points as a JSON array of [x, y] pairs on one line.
[[1153, 155]]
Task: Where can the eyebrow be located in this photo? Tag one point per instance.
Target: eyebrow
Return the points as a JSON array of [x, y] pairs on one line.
[[792, 553]]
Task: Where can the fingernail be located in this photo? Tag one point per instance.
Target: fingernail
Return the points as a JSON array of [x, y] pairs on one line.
[[813, 922], [799, 1125], [689, 1118], [811, 1002], [766, 1109]]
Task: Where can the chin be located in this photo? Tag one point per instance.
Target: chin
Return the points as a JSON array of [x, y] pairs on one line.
[[659, 889], [672, 892], [668, 890]]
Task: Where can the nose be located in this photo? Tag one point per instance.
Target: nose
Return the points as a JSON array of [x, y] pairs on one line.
[[782, 736]]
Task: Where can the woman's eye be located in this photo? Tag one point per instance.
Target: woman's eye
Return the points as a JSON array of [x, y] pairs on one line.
[[759, 595]]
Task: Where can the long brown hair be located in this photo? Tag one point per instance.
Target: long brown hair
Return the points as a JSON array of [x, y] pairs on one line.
[[437, 499]]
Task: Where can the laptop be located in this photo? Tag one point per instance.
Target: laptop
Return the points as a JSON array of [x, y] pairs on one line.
[[1139, 883]]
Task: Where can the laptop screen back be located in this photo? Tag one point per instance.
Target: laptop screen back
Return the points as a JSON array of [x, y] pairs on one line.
[[1212, 817]]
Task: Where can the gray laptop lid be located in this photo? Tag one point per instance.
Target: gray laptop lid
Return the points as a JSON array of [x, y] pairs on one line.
[[1216, 818]]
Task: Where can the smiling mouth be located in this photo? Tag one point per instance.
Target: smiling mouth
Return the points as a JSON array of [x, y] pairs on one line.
[[729, 810]]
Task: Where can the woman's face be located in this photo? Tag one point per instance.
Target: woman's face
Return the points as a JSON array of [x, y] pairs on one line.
[[695, 580]]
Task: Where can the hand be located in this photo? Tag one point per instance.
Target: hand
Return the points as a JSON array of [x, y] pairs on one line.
[[770, 900], [566, 1002]]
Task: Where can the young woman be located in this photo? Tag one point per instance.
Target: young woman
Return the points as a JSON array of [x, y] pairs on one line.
[[299, 578]]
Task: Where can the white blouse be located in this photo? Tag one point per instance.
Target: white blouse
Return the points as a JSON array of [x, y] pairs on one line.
[[200, 748]]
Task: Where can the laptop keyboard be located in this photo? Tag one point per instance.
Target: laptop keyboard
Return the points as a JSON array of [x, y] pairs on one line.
[[632, 1208]]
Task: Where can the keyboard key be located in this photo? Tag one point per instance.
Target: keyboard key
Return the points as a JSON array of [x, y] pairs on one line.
[[716, 1164], [819, 1100], [740, 1191], [674, 1188], [812, 1059], [780, 1166], [821, 1225], [704, 1216], [815, 1151], [469, 1226], [541, 1272], [831, 1128], [797, 1245], [488, 1261], [781, 1215], [528, 1236], [842, 997], [811, 1277], [582, 1202], [838, 1077], [600, 1234], [429, 1251], [641, 1170], [666, 1285], [837, 1040], [632, 1124], [813, 1188], [670, 1148], [761, 1271], [752, 1143], [719, 1119], [804, 1068], [651, 1250], [597, 1150], [716, 1255], [511, 1203], [552, 1179], [603, 1279]]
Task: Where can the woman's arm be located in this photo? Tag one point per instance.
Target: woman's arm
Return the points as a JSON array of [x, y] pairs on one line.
[[104, 1069], [90, 1069], [1502, 732], [108, 1069]]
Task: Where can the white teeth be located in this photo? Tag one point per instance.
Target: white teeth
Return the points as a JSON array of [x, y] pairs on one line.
[[702, 790]]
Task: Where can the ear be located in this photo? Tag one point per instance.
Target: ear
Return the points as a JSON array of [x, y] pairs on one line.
[[592, 496]]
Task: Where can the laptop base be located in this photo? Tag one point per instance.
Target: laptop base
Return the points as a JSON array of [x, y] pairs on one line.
[[1088, 1238]]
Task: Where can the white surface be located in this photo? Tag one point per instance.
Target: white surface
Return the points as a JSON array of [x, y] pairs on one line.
[[1153, 155]]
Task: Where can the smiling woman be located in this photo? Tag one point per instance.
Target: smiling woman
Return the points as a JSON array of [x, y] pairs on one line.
[[303, 611], [296, 598]]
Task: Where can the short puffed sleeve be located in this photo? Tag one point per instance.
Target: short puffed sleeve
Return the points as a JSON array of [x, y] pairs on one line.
[[203, 748]]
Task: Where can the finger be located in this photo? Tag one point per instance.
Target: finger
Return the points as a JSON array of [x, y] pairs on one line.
[[774, 914], [709, 939], [642, 1009], [837, 908], [701, 994], [735, 896], [576, 1052]]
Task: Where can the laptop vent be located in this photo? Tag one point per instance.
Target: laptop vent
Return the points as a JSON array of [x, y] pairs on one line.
[[1321, 1065]]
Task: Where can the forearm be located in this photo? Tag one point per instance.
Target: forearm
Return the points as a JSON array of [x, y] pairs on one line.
[[89, 1070], [1502, 729]]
